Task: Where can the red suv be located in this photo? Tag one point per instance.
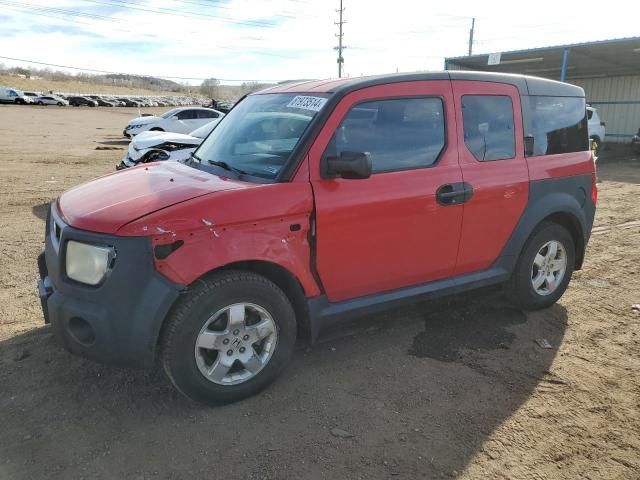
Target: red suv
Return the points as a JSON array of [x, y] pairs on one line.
[[313, 201]]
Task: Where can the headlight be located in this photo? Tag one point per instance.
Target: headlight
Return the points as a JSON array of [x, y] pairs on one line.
[[88, 263]]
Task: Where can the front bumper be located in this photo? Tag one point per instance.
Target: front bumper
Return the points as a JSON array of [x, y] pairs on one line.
[[117, 322]]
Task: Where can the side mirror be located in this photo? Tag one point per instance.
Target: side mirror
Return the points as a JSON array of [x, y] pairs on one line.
[[528, 145], [349, 165]]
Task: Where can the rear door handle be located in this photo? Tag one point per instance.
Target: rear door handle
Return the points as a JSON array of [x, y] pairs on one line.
[[454, 193]]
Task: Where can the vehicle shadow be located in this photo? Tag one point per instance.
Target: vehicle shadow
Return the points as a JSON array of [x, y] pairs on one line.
[[122, 143], [416, 393], [41, 210]]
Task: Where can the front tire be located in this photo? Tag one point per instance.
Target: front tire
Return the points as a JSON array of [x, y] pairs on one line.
[[228, 337], [544, 268]]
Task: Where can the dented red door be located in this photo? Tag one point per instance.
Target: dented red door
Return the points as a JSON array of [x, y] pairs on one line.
[[387, 231]]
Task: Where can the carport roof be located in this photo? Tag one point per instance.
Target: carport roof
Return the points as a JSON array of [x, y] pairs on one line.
[[605, 58]]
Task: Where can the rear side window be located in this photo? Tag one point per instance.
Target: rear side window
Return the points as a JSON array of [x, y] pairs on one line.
[[398, 134], [207, 114], [488, 126], [559, 125], [187, 115]]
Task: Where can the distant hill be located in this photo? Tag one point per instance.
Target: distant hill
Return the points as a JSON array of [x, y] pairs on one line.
[[44, 80], [135, 82], [150, 83]]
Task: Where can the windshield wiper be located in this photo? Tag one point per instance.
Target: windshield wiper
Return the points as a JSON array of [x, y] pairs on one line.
[[226, 166], [193, 157]]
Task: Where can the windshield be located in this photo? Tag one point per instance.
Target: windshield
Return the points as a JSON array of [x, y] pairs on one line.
[[204, 130], [170, 113], [259, 134]]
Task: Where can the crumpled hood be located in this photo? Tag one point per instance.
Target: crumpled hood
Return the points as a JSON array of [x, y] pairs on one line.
[[144, 120], [108, 203], [150, 139]]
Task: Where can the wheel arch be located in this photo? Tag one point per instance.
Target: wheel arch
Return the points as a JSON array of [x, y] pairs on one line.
[[575, 229], [274, 272], [285, 280], [560, 208]]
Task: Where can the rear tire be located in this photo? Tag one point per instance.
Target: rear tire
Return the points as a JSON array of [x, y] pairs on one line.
[[544, 268], [228, 338]]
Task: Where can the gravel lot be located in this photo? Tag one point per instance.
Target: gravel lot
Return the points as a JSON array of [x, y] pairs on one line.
[[450, 389]]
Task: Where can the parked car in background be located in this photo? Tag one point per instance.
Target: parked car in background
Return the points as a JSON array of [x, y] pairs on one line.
[[314, 202], [102, 101], [596, 129], [157, 146], [220, 105], [178, 120], [51, 100], [117, 102], [635, 142], [32, 95], [13, 95], [128, 102], [76, 101]]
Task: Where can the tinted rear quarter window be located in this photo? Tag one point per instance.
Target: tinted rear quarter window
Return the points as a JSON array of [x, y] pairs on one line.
[[187, 115], [559, 125], [207, 114], [488, 126], [398, 134]]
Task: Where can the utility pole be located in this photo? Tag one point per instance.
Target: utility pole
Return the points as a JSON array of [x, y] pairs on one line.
[[473, 26], [340, 47]]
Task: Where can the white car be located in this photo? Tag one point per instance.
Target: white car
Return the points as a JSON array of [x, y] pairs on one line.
[[596, 129], [51, 100], [178, 120], [13, 95], [157, 146]]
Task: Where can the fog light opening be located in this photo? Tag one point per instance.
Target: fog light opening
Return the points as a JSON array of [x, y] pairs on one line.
[[81, 331]]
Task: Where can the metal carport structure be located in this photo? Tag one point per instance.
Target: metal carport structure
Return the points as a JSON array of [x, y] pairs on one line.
[[608, 70]]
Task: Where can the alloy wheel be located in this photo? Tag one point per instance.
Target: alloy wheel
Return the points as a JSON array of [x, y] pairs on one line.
[[549, 267], [236, 343]]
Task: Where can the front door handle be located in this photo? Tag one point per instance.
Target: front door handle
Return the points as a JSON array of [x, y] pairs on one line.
[[454, 193]]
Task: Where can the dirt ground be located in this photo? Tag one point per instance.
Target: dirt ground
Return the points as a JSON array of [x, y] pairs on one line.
[[451, 389]]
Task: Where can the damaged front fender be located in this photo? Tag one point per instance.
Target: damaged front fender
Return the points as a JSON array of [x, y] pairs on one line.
[[269, 222]]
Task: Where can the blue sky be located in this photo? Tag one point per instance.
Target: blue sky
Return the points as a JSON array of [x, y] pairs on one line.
[[272, 40]]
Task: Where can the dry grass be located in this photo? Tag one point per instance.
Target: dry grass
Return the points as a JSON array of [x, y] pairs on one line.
[[44, 85]]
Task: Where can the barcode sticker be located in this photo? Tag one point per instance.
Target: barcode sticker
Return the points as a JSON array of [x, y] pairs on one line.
[[307, 103]]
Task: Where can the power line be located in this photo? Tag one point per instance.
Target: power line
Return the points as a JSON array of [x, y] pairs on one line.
[[340, 36], [107, 72], [173, 12], [74, 20], [226, 7], [73, 13]]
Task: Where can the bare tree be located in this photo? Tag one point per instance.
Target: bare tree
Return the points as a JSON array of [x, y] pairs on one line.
[[210, 88]]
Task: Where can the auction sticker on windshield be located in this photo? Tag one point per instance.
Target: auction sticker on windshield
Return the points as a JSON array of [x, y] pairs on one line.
[[307, 103]]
